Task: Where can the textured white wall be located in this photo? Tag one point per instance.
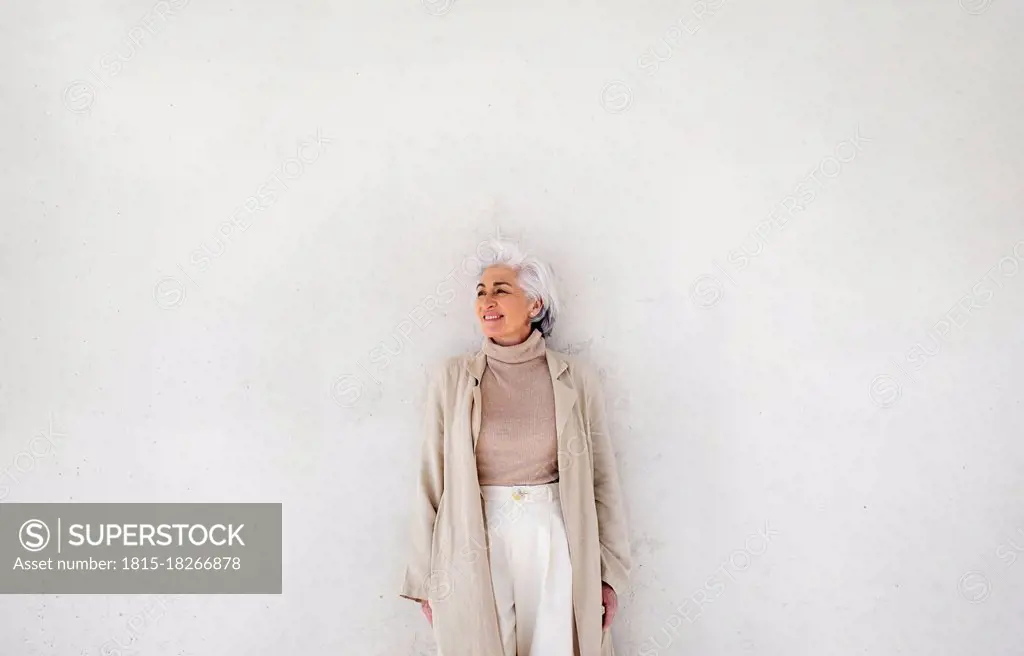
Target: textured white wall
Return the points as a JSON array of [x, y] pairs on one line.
[[761, 215]]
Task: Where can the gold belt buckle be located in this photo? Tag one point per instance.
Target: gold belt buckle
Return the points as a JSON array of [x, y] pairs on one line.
[[518, 494]]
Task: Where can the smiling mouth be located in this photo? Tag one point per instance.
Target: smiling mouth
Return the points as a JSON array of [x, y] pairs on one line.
[[493, 317]]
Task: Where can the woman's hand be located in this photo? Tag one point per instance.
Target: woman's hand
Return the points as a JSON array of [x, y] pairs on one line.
[[611, 604], [428, 613]]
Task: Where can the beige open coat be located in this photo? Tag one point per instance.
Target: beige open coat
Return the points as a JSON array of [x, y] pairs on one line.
[[448, 561]]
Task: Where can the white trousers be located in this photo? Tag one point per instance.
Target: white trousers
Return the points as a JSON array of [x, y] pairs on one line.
[[530, 569]]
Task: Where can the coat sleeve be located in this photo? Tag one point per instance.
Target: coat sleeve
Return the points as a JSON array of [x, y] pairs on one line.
[[613, 530], [428, 489]]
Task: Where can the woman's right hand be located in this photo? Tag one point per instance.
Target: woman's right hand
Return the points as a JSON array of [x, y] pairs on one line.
[[427, 612]]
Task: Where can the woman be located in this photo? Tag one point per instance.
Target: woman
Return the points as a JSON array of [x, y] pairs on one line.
[[519, 540]]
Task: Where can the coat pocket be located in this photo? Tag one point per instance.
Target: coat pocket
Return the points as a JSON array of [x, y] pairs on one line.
[[439, 536], [439, 579]]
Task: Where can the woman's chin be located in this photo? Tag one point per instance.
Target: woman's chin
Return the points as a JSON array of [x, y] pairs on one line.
[[492, 328]]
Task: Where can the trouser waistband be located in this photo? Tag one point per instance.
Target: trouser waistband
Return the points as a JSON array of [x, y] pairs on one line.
[[522, 493]]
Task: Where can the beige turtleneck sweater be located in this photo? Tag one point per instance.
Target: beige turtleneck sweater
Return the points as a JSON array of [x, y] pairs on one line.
[[517, 444]]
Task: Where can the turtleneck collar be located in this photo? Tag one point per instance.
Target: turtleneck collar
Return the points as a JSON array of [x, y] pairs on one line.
[[532, 347]]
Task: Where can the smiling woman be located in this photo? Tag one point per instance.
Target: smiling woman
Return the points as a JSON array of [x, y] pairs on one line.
[[519, 540], [508, 309]]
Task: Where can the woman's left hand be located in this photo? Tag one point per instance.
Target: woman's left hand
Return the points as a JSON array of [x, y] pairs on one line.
[[611, 604]]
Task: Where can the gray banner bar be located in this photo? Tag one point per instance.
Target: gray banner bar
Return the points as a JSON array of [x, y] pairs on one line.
[[138, 548]]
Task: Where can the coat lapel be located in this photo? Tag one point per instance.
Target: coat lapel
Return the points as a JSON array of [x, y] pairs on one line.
[[565, 393], [476, 371]]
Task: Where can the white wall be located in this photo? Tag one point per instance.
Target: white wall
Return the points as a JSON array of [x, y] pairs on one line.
[[785, 390]]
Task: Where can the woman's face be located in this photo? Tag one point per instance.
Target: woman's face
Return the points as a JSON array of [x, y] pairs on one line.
[[502, 308]]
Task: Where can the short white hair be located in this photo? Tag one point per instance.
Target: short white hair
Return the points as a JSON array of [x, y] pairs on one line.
[[532, 274]]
